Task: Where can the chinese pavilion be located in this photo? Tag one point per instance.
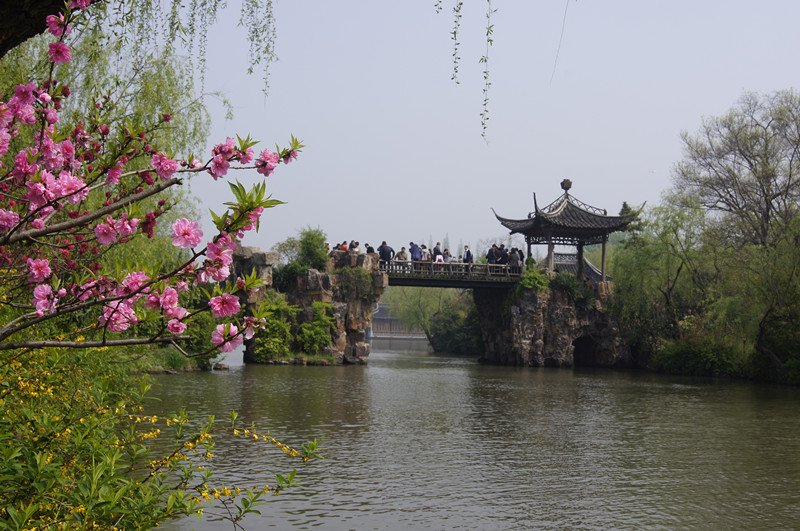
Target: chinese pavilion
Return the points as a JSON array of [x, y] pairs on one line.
[[567, 221]]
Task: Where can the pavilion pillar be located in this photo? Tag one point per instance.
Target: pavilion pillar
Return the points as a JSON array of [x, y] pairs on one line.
[[550, 247], [580, 262], [603, 262]]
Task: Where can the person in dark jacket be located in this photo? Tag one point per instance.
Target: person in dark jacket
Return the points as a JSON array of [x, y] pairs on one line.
[[385, 253]]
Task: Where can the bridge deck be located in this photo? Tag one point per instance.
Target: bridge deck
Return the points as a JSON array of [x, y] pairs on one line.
[[451, 274]]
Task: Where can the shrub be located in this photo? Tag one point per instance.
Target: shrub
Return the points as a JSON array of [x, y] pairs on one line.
[[698, 352], [533, 279], [582, 297], [275, 340], [315, 335]]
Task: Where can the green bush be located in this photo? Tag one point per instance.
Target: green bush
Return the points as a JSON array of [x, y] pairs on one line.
[[76, 453], [533, 279], [582, 297], [275, 341], [699, 351], [316, 335]]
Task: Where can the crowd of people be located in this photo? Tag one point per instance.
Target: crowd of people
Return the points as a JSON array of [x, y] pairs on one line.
[[419, 256]]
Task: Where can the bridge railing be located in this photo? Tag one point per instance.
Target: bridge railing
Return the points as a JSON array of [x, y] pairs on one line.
[[499, 272]]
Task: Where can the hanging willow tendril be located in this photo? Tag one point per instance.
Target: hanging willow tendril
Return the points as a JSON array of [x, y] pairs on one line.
[[485, 61], [454, 37]]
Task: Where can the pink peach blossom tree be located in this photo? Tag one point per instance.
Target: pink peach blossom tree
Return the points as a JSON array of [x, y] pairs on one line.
[[74, 192]]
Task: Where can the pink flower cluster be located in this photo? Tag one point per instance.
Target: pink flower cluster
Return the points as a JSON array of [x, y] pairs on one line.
[[109, 229], [223, 154], [186, 233], [44, 300], [165, 167], [226, 337]]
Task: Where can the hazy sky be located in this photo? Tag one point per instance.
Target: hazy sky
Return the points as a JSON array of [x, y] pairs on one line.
[[394, 148]]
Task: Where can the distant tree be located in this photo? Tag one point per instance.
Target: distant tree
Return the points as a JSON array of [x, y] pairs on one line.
[[745, 167], [306, 251], [415, 307]]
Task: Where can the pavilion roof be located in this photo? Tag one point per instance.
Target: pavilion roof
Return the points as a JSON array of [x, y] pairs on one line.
[[567, 221]]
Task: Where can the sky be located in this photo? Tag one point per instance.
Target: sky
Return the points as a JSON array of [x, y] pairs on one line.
[[394, 148]]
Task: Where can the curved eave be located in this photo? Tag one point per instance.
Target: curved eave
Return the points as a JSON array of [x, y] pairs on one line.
[[521, 226]]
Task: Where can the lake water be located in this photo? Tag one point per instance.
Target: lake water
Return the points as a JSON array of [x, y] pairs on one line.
[[416, 440]]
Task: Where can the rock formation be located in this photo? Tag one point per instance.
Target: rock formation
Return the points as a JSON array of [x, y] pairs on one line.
[[544, 329], [351, 283]]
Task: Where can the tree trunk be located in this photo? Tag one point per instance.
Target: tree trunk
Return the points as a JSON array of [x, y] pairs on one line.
[[23, 19]]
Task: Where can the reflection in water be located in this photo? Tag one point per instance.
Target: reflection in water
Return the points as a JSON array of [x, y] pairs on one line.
[[417, 440]]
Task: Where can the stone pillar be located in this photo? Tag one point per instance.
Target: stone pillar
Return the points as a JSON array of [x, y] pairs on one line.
[[581, 275]]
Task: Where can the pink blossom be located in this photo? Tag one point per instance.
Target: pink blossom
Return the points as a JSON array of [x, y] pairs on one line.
[[290, 156], [246, 156], [227, 149], [266, 162], [251, 323], [219, 251], [113, 175], [59, 53], [38, 195], [8, 219], [153, 300], [105, 233], [38, 269], [37, 223], [176, 327], [67, 150], [133, 282], [169, 299], [71, 187], [57, 25], [176, 312], [23, 94], [186, 233], [117, 317], [165, 167], [43, 299], [79, 4], [224, 305], [125, 226], [51, 116], [5, 140], [219, 167], [223, 338]]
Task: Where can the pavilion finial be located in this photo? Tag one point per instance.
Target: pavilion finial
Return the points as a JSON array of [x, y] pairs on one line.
[[566, 184]]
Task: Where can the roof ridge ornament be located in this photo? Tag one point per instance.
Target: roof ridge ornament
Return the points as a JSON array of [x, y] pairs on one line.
[[566, 184]]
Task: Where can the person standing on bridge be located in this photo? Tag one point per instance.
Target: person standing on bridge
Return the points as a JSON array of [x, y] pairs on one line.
[[467, 258], [386, 253], [402, 259], [416, 255]]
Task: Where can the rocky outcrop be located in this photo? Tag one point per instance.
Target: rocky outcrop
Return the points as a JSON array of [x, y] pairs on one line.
[[249, 259], [351, 282], [544, 329]]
